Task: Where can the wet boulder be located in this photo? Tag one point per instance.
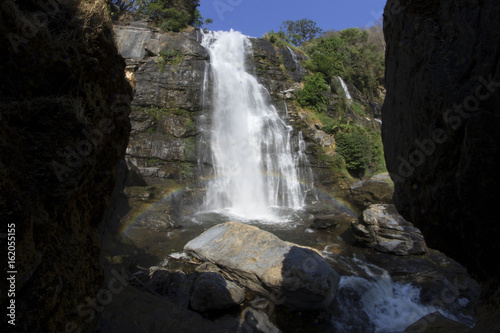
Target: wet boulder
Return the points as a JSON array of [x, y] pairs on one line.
[[383, 229], [286, 273]]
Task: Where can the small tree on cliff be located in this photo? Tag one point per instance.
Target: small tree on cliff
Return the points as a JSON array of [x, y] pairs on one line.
[[300, 31]]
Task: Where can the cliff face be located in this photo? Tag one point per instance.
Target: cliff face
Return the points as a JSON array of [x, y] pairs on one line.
[[441, 124], [63, 129], [168, 71]]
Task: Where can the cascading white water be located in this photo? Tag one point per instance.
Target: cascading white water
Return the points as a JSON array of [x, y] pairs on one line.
[[346, 90], [254, 167], [294, 57], [375, 303]]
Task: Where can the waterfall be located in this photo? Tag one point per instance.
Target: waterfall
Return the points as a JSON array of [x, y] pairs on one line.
[[346, 90], [294, 57], [250, 147]]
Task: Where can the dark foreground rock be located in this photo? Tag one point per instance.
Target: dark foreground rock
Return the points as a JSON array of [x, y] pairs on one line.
[[146, 313], [437, 323], [441, 121], [255, 321], [383, 229], [211, 292], [296, 276], [64, 127], [200, 292]]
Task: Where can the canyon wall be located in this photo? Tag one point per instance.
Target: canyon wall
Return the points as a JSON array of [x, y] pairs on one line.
[[64, 127], [441, 124]]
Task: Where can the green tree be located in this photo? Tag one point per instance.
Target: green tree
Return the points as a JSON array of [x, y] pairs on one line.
[[356, 150], [170, 15], [354, 54], [312, 94], [300, 31]]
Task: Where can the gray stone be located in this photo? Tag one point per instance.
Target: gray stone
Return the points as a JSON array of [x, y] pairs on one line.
[[208, 267], [289, 274], [177, 126], [141, 122], [157, 220], [437, 323], [383, 229], [211, 292], [365, 193], [134, 177], [329, 221], [255, 321]]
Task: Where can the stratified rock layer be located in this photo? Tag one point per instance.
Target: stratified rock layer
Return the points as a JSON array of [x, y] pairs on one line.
[[441, 124], [286, 273], [383, 229]]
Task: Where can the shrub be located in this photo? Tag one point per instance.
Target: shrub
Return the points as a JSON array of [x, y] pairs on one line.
[[362, 150], [355, 148], [176, 20], [312, 94], [173, 57]]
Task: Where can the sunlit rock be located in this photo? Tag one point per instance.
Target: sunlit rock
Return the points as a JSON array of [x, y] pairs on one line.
[[289, 274], [383, 229]]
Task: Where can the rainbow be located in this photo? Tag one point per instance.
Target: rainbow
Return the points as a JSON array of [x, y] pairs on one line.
[[139, 214]]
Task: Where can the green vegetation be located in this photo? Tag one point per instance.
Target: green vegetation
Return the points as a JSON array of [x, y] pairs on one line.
[[362, 150], [297, 32], [174, 57], [312, 94], [169, 15], [356, 55]]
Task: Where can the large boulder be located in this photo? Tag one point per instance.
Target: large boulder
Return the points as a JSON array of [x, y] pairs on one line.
[[289, 274], [441, 124], [211, 292], [376, 190], [383, 229]]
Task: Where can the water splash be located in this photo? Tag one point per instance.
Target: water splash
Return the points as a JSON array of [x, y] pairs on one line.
[[251, 153], [375, 303]]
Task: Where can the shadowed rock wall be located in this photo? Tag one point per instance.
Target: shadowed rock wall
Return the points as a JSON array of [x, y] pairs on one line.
[[441, 124], [63, 129]]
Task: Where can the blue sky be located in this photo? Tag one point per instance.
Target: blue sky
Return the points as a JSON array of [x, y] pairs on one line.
[[256, 17]]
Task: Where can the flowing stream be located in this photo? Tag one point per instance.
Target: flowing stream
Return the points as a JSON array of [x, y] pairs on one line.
[[257, 161]]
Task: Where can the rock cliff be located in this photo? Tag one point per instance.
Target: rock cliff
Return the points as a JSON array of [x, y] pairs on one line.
[[441, 124], [63, 129], [168, 110]]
